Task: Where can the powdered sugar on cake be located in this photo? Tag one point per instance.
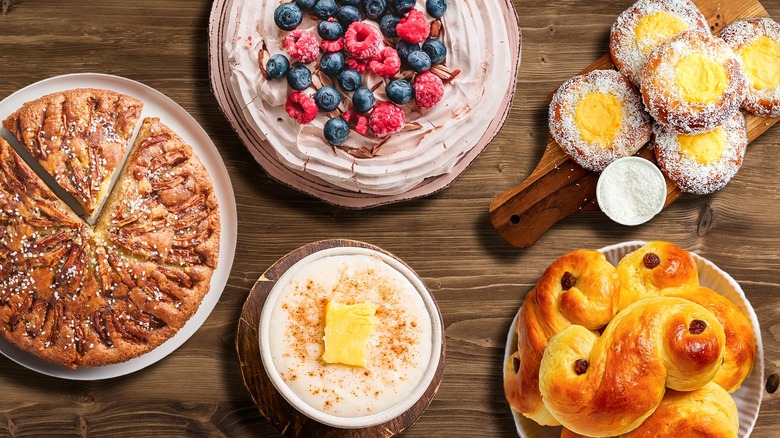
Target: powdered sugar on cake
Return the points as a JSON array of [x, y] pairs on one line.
[[739, 35], [634, 129], [435, 139], [624, 48], [691, 175]]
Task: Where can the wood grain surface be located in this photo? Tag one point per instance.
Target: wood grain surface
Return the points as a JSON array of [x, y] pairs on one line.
[[478, 279]]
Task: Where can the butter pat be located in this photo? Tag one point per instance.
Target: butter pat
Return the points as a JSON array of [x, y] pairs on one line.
[[347, 330]]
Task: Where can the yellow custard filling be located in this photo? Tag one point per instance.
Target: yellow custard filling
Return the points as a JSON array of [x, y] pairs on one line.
[[598, 117], [347, 330], [761, 59], [656, 28], [700, 79], [704, 148]]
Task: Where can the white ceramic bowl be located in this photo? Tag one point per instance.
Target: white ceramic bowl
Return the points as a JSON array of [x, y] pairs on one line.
[[654, 199], [376, 418], [748, 397]]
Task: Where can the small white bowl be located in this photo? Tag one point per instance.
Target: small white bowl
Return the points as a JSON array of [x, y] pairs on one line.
[[649, 191], [376, 418]]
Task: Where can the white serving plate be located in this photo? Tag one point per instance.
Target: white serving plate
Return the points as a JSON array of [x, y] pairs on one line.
[[156, 104], [748, 397]]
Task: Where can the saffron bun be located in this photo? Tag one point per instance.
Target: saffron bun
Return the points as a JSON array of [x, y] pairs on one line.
[[702, 163], [757, 42], [693, 82], [598, 117], [580, 287], [608, 384], [708, 411], [645, 25]]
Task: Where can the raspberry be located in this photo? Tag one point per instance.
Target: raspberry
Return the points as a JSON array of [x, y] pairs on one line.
[[428, 89], [358, 65], [361, 126], [302, 46], [333, 46], [386, 63], [360, 121], [362, 40], [386, 119], [301, 107], [414, 28]]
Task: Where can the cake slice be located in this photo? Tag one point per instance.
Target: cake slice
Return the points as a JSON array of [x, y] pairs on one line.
[[163, 207], [80, 137]]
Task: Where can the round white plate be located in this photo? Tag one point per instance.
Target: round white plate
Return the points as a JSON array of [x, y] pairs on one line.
[[156, 104], [748, 396]]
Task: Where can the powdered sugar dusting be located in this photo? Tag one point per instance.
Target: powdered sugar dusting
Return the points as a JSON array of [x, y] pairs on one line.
[[692, 176], [623, 45], [739, 35], [663, 98], [634, 129]]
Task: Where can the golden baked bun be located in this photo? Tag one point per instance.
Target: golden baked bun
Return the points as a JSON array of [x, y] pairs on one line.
[[757, 42], [740, 350], [598, 117], [608, 385], [709, 412], [645, 25], [693, 82], [581, 288], [702, 163], [654, 266]]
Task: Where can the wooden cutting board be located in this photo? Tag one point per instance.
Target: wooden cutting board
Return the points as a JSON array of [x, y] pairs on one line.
[[558, 187]]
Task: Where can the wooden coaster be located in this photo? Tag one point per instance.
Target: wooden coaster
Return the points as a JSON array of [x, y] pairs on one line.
[[265, 396], [559, 188], [266, 155]]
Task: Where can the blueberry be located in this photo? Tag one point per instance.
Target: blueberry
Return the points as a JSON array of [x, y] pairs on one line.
[[388, 24], [355, 3], [299, 77], [374, 8], [288, 16], [419, 61], [277, 66], [327, 98], [404, 49], [330, 30], [436, 8], [402, 6], [435, 49], [348, 15], [399, 91], [336, 130], [325, 9], [332, 63], [350, 80], [363, 100], [306, 5]]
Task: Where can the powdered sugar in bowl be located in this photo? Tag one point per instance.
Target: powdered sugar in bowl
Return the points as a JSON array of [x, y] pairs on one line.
[[631, 191]]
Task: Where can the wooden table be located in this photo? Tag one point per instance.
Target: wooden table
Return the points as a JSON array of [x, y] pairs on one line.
[[477, 278]]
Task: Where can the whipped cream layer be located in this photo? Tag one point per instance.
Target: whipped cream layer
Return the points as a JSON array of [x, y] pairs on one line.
[[477, 44]]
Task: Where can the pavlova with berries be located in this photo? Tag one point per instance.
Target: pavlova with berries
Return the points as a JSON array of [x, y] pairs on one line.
[[373, 96]]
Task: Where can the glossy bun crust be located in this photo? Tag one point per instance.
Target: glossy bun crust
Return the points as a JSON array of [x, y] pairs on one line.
[[579, 288], [652, 267], [708, 412], [608, 385], [72, 296], [738, 35], [663, 96]]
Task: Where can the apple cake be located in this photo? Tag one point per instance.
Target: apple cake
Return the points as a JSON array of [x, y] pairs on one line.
[[79, 137], [82, 296]]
